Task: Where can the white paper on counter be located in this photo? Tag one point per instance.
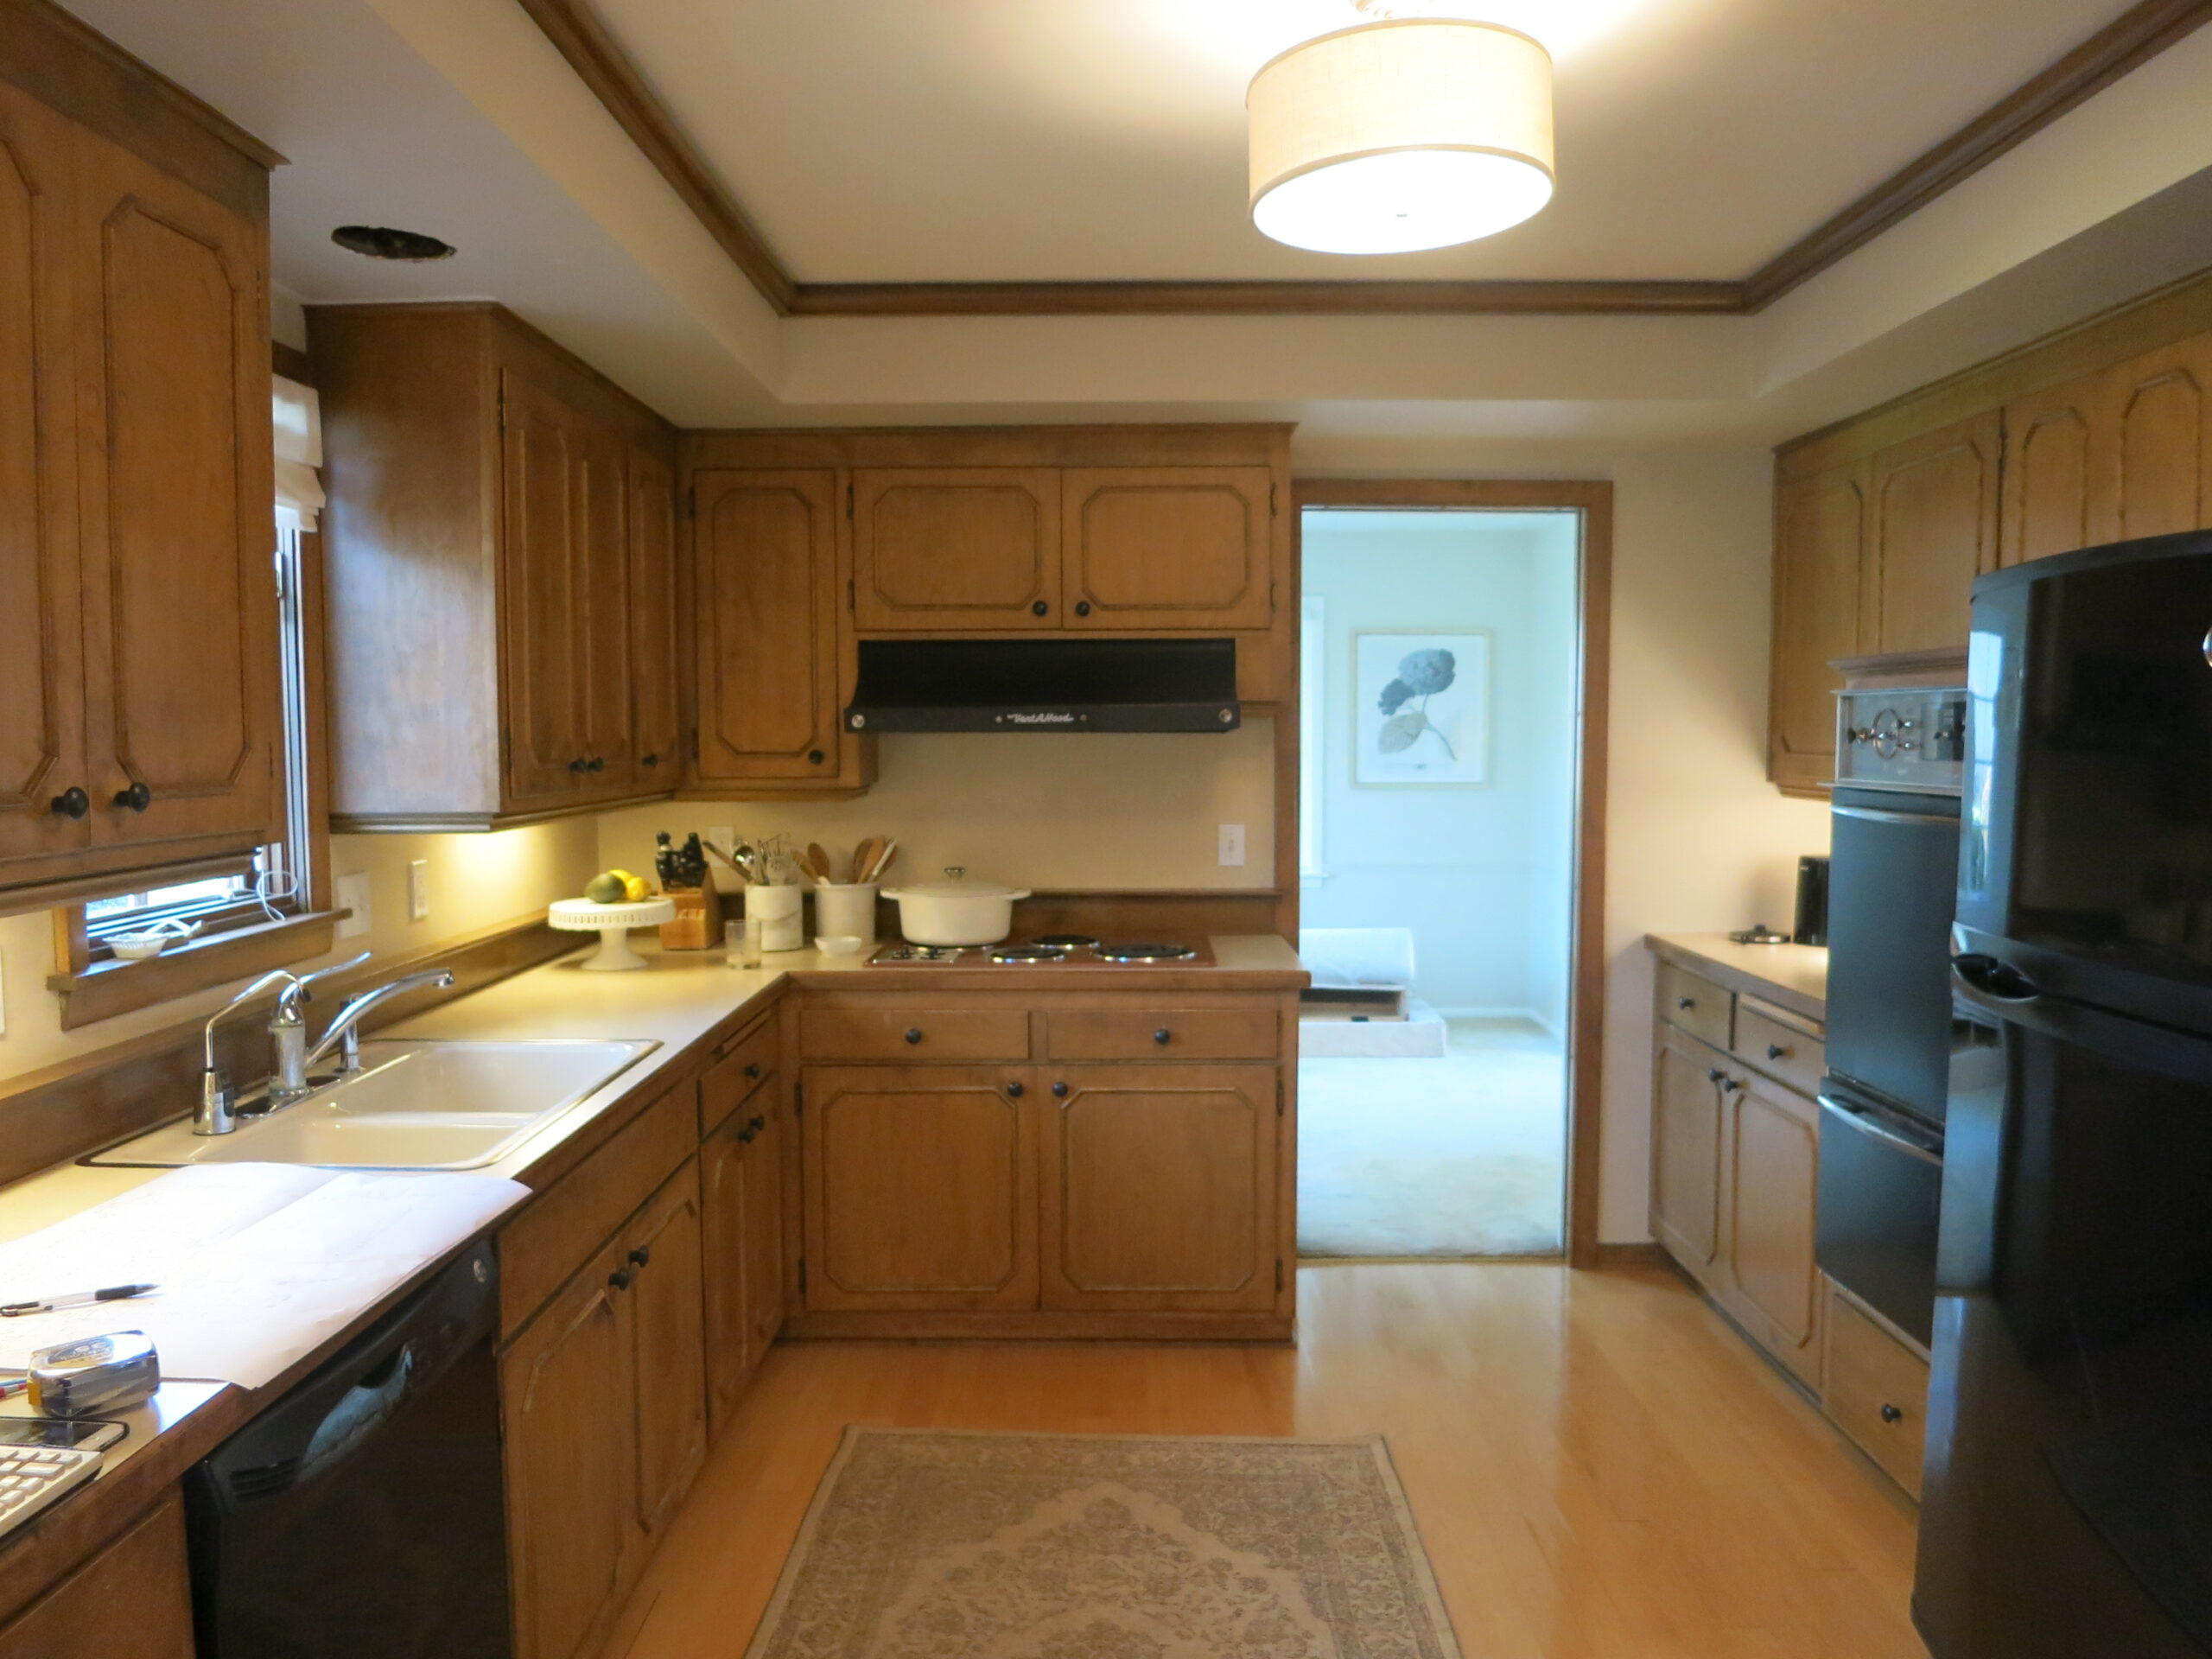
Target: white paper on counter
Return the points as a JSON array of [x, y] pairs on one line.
[[258, 1264]]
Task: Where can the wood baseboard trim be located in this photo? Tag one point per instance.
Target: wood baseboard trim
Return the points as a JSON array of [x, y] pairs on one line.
[[1033, 1325], [1647, 1255]]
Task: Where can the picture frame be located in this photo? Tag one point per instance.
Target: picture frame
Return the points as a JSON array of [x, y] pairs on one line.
[[1421, 709]]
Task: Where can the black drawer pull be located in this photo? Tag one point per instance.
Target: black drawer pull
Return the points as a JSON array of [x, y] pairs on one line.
[[622, 1278], [1713, 1074], [914, 1034], [138, 798], [1059, 1092], [1038, 608], [758, 1124], [1162, 1036], [72, 802], [578, 764], [1083, 608], [753, 1072], [641, 1256], [1013, 1091], [814, 757], [1686, 1003], [1730, 1085], [1891, 1413], [1777, 1051], [649, 760]]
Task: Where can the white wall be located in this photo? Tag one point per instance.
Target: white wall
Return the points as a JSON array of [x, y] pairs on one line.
[[1696, 838], [1460, 867]]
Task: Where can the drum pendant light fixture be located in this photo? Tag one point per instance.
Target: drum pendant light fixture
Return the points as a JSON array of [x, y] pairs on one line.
[[1396, 136]]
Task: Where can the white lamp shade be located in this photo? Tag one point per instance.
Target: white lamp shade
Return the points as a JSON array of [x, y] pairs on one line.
[[1404, 135]]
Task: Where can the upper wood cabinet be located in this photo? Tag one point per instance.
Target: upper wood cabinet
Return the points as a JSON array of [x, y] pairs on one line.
[[769, 671], [963, 548], [1820, 537], [1167, 547], [1932, 530], [2049, 471], [140, 711], [2151, 450], [499, 543]]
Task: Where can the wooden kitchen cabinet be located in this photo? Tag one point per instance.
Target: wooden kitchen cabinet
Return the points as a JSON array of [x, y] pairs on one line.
[[770, 668], [140, 713], [1160, 548], [742, 1184], [2151, 451], [1932, 530], [2049, 471], [1771, 1284], [496, 510], [662, 1248], [1686, 1142], [956, 547], [921, 1187], [1159, 1186], [131, 1600], [1819, 534]]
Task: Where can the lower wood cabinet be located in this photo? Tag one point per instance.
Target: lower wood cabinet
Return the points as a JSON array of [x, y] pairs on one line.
[[1685, 1141], [1159, 1186], [1773, 1287], [131, 1600], [1874, 1387], [742, 1191], [668, 1342]]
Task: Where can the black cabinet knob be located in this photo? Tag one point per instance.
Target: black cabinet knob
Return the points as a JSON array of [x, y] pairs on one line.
[[595, 764], [1892, 1414], [1162, 1036], [814, 757], [745, 1134], [1730, 1085], [1013, 1091], [138, 798], [753, 1072], [913, 1034], [1713, 1074], [641, 1256], [1060, 1090], [1038, 608], [758, 1124], [72, 802], [1777, 1051], [1083, 608], [1686, 1003], [649, 760], [578, 764], [622, 1278]]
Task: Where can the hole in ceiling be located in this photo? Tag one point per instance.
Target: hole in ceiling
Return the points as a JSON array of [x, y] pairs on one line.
[[382, 242]]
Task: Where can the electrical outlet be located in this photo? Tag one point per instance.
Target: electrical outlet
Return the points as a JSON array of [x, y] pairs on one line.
[[352, 892], [1232, 846], [723, 836], [418, 890]]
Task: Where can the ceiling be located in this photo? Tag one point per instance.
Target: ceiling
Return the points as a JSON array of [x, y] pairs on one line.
[[882, 141]]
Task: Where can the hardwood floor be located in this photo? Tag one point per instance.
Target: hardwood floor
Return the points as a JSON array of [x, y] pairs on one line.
[[1600, 1469]]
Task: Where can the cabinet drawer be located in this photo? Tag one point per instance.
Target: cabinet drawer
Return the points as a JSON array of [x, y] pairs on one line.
[[1778, 1047], [1164, 1034], [748, 1061], [1876, 1391], [914, 1034], [1698, 1006]]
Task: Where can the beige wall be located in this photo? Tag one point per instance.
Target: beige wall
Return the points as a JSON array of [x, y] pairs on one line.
[[1698, 840], [1037, 810], [476, 881]]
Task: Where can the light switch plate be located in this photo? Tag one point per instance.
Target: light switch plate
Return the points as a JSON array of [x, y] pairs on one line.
[[353, 893], [723, 835], [1232, 846], [418, 890]]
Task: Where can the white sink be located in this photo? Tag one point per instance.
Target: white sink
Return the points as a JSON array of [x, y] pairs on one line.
[[413, 1105]]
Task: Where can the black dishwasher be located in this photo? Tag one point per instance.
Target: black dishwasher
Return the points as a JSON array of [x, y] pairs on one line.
[[363, 1514]]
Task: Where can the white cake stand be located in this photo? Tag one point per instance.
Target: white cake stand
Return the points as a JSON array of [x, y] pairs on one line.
[[613, 923]]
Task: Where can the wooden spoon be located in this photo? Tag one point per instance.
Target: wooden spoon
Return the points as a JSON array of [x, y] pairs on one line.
[[883, 861], [864, 857], [817, 861]]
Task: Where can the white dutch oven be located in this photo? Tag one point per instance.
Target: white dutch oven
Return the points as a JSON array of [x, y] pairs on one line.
[[955, 911]]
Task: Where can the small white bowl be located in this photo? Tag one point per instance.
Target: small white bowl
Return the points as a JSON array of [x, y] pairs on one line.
[[137, 947], [840, 945]]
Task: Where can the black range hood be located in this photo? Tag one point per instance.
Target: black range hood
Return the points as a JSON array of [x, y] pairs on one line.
[[1046, 685]]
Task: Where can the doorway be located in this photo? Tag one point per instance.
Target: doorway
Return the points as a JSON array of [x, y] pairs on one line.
[[1447, 891]]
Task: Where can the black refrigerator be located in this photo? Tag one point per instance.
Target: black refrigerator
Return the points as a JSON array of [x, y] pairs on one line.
[[2067, 1505]]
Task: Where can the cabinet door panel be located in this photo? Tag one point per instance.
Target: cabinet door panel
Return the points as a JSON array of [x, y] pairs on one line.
[[1167, 547], [131, 1600], [921, 1188], [655, 715], [1773, 1165], [725, 1229], [2151, 474], [1686, 1155], [571, 1465], [41, 740], [606, 669], [546, 593], [956, 547], [178, 528], [767, 605], [763, 1223], [1934, 530], [2047, 473], [667, 1322], [1160, 1187], [1819, 540]]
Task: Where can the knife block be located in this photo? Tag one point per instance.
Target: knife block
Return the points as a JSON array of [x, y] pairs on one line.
[[698, 923]]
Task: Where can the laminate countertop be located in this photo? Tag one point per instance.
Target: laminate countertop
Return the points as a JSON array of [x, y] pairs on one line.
[[1793, 977], [681, 1001]]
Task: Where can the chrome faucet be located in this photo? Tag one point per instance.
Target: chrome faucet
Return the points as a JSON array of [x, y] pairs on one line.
[[217, 1113], [287, 1035], [346, 1028]]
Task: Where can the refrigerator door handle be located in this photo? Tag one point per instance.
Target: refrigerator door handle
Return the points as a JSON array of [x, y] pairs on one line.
[[1875, 1129], [1889, 815], [1990, 985]]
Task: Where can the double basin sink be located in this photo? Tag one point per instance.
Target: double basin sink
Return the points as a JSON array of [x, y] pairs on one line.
[[412, 1105]]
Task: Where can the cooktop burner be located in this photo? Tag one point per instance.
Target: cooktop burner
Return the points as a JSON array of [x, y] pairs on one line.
[[1017, 953], [905, 954], [1147, 951], [1065, 942]]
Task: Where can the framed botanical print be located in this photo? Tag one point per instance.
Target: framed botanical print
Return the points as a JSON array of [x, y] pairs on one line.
[[1421, 716]]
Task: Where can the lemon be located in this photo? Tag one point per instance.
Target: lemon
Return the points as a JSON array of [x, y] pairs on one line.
[[605, 888], [634, 887]]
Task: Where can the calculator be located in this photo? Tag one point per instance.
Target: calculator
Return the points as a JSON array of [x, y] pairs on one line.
[[42, 1459]]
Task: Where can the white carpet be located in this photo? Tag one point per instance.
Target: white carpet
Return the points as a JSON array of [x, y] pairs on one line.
[[1464, 1156]]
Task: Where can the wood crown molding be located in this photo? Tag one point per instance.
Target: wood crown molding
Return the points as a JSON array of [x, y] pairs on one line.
[[2127, 43]]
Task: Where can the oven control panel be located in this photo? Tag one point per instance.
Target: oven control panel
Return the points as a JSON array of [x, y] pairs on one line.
[[1911, 739]]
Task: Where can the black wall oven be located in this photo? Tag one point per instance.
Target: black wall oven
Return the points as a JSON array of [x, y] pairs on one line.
[[2067, 1512]]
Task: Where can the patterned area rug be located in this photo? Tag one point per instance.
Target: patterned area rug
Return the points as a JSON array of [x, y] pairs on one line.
[[922, 1545]]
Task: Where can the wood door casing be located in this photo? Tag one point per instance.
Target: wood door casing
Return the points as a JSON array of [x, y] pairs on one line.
[[667, 1326], [1167, 547], [177, 533], [42, 736], [1159, 1186], [657, 715], [956, 547], [1820, 543], [765, 605], [2153, 467], [1686, 1153], [1932, 531], [571, 1466], [2049, 472], [921, 1187], [1772, 1180]]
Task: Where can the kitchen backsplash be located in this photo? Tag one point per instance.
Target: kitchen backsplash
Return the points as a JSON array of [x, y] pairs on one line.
[[1050, 812]]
